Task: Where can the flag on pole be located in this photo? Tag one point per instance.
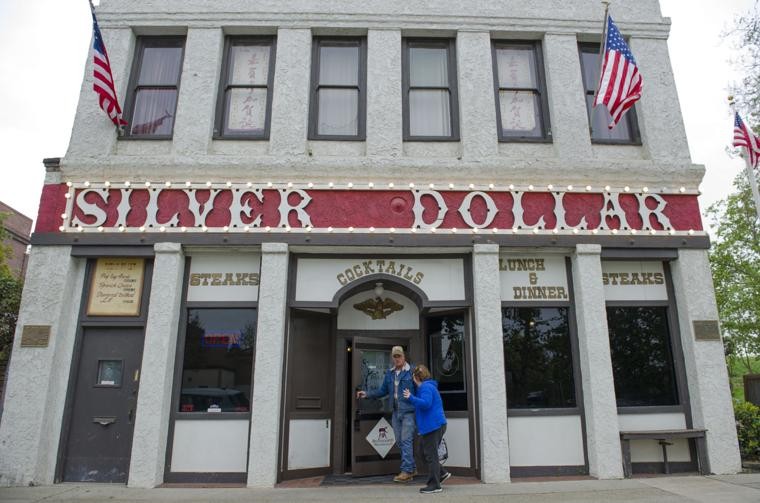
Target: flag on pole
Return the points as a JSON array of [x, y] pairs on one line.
[[104, 85], [744, 137], [619, 80]]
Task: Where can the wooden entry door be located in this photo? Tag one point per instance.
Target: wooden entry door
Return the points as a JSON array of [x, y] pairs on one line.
[[103, 406], [371, 358]]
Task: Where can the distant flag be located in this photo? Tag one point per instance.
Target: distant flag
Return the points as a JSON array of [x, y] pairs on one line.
[[104, 85], [619, 80], [744, 137]]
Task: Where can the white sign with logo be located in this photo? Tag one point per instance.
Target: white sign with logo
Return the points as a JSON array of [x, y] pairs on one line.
[[530, 278], [381, 438], [224, 277], [440, 279], [624, 280]]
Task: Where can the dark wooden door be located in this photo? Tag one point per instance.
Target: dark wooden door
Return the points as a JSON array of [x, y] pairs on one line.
[[103, 407], [371, 359]]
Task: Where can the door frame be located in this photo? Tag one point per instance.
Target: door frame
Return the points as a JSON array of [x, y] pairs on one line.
[[85, 321], [344, 339], [414, 347]]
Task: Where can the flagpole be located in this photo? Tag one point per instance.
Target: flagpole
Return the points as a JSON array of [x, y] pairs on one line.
[[752, 183], [602, 45]]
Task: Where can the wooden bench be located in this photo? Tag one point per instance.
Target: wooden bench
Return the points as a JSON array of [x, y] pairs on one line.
[[664, 437]]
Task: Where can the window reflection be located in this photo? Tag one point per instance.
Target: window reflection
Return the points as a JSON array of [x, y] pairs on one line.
[[447, 359], [538, 357], [642, 362], [218, 360]]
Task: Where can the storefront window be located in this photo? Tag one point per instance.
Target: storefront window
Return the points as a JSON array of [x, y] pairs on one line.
[[218, 360], [538, 357], [642, 361], [447, 359]]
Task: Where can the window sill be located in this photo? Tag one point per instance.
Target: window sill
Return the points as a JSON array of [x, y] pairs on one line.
[[526, 140], [203, 416], [144, 138], [240, 138], [337, 138], [559, 411], [617, 142], [650, 409], [430, 139]]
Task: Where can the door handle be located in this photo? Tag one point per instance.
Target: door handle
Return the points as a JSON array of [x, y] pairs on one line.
[[131, 413], [104, 420]]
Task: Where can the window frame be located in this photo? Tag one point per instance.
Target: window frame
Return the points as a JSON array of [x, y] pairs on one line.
[[541, 91], [222, 110], [676, 346], [449, 44], [630, 116], [361, 87], [141, 44], [579, 408]]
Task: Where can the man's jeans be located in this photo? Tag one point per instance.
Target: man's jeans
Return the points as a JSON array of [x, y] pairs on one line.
[[404, 429]]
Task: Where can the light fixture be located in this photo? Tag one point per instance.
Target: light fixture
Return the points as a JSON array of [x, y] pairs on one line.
[[379, 290]]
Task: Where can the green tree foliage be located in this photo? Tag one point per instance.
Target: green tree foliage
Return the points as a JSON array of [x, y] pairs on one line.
[[746, 34], [10, 296], [735, 262], [748, 429]]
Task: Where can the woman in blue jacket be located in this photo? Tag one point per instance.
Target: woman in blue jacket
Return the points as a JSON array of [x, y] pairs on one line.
[[431, 424]]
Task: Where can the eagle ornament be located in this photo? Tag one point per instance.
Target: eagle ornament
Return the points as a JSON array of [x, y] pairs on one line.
[[377, 308]]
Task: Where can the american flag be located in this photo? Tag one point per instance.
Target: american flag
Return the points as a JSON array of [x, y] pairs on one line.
[[744, 137], [103, 85], [620, 82]]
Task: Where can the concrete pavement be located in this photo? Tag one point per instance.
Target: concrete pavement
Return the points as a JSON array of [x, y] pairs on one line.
[[712, 489]]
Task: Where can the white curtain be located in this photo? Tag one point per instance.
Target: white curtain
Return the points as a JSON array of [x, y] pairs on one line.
[[429, 109], [154, 108], [338, 107]]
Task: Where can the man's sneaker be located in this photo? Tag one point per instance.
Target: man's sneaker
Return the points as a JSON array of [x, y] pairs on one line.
[[445, 477], [403, 477], [430, 489]]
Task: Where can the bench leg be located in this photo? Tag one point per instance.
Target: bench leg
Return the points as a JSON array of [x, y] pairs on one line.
[[665, 445], [625, 447]]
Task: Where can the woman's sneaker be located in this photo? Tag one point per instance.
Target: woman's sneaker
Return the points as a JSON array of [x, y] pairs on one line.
[[430, 489], [445, 477]]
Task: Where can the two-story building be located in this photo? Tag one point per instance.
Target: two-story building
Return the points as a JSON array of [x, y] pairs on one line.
[[302, 185]]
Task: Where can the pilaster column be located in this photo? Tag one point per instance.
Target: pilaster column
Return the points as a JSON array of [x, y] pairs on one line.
[[706, 374], [602, 430], [384, 120], [35, 393], [477, 102], [492, 396], [270, 355], [157, 373]]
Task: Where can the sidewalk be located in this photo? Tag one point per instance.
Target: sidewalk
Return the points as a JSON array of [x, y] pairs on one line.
[[712, 489]]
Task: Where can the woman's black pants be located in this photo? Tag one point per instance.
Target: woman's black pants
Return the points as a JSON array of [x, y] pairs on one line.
[[430, 443]]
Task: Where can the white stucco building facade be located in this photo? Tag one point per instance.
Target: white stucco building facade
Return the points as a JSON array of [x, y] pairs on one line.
[[303, 185]]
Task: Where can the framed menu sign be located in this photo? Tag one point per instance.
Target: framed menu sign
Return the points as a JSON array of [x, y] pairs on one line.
[[116, 287]]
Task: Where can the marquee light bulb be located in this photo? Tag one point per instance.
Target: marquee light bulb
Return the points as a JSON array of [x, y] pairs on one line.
[[107, 183], [371, 185], [246, 228], [331, 185], [411, 185], [269, 184], [607, 188], [391, 185], [530, 187], [127, 183], [162, 228], [69, 184], [627, 188], [511, 186], [122, 228], [393, 230], [569, 187], [491, 186], [184, 229], [86, 184], [62, 228], [249, 185], [588, 188], [208, 184], [310, 185], [471, 186], [142, 228], [188, 184], [432, 186], [229, 183], [682, 190], [645, 189], [147, 184], [550, 187], [451, 186], [350, 185], [290, 185]]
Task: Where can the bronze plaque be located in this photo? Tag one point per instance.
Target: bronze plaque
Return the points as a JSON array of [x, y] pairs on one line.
[[706, 330], [35, 336], [116, 287]]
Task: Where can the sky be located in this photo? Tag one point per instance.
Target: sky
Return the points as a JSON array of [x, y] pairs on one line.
[[44, 45]]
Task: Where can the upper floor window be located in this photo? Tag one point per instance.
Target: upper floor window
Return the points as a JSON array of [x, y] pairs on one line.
[[245, 98], [521, 109], [154, 85], [626, 131], [338, 89], [430, 90]]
